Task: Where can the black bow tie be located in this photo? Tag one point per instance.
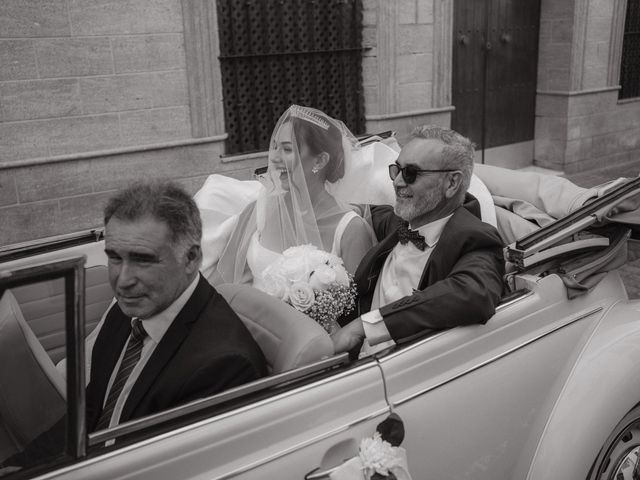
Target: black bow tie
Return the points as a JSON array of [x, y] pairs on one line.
[[405, 234]]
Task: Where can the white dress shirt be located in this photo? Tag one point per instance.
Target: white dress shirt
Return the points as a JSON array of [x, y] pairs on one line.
[[155, 326], [400, 276]]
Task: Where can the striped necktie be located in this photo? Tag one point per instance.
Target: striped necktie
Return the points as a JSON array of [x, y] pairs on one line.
[[129, 361]]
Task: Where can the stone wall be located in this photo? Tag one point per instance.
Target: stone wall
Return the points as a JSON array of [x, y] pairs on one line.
[[95, 94], [407, 63], [580, 123]]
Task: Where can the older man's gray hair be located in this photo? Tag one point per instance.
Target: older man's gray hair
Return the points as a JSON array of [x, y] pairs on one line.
[[165, 201], [458, 152]]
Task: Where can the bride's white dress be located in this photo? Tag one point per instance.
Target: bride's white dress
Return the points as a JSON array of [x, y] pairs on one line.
[[260, 257]]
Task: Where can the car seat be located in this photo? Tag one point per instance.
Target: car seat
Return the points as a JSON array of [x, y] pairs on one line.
[[287, 337], [32, 392]]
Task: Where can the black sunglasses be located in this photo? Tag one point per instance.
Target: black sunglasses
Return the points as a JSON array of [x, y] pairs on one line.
[[410, 172]]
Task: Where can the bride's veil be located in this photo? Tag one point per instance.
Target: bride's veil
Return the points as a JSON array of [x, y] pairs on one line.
[[309, 153]]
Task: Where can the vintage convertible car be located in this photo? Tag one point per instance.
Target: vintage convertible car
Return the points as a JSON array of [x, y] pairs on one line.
[[547, 389]]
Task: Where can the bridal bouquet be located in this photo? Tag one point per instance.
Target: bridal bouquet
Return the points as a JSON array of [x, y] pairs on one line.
[[314, 282]]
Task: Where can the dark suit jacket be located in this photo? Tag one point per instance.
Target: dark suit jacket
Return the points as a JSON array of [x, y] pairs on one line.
[[207, 349], [461, 283]]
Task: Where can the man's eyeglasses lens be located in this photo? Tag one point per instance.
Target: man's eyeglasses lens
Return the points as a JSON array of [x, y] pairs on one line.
[[410, 172]]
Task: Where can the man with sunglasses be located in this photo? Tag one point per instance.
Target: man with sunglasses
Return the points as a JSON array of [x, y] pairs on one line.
[[437, 265]]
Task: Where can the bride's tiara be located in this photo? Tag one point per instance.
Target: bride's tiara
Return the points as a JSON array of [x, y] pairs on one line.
[[306, 114]]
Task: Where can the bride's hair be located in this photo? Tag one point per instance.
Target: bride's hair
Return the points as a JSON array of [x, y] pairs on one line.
[[319, 138]]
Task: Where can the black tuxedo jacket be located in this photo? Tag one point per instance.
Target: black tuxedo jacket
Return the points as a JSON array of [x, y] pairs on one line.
[[461, 283], [207, 349]]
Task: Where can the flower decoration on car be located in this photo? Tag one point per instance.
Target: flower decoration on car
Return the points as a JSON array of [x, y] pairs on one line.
[[314, 282], [380, 456]]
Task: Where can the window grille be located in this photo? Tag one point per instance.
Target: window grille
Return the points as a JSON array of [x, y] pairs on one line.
[[277, 52], [630, 66]]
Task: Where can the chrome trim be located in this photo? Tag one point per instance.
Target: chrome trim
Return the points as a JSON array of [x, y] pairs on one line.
[[495, 358], [504, 305], [204, 422], [202, 403]]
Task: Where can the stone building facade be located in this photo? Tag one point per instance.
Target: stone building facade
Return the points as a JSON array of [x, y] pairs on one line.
[[96, 93]]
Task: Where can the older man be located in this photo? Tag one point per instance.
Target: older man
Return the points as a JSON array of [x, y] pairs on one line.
[[170, 337], [437, 264]]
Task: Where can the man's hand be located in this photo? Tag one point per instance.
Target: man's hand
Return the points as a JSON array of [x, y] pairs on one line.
[[348, 337]]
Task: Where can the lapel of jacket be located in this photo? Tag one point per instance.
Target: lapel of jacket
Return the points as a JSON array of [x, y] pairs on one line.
[[170, 342], [106, 351], [446, 251]]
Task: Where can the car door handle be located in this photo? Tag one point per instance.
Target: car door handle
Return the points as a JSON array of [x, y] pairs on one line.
[[316, 475]]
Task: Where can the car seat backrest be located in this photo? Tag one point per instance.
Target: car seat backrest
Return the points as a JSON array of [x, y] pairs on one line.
[[43, 307], [287, 337]]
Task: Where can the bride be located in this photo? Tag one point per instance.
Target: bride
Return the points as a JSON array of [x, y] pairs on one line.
[[309, 153]]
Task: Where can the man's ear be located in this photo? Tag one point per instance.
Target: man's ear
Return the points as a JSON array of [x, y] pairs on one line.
[[193, 257], [453, 184]]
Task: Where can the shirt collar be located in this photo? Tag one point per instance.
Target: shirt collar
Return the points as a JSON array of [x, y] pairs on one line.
[[432, 231], [157, 325]]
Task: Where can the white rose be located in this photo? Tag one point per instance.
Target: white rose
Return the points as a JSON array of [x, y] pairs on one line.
[[322, 277], [295, 269], [342, 277], [301, 296]]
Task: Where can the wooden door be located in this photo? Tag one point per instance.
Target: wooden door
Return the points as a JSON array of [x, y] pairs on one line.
[[495, 56]]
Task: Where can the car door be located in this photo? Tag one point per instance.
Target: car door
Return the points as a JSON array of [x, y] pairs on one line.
[[283, 426], [475, 399]]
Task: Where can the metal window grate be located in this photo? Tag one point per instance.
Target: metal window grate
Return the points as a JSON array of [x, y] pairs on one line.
[[630, 65], [277, 52]]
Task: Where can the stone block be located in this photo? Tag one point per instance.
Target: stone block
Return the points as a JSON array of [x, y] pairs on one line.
[[83, 212], [369, 13], [407, 14], [595, 77], [554, 56], [53, 180], [578, 149], [551, 127], [415, 96], [81, 134], [27, 100], [414, 68], [601, 8], [551, 105], [425, 11], [34, 18], [29, 221], [155, 126], [8, 194], [370, 36], [558, 79], [590, 104], [106, 17], [72, 57], [22, 140], [562, 31], [116, 171], [17, 60], [369, 71], [133, 91], [146, 53], [415, 39], [371, 100], [599, 28], [553, 9]]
